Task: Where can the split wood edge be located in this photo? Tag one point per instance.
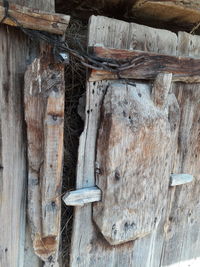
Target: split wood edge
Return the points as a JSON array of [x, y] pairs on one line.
[[180, 179], [35, 20], [82, 196], [147, 65]]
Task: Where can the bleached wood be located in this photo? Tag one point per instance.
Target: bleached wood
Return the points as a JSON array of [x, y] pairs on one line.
[[82, 196], [44, 115], [13, 146], [16, 51], [182, 240], [175, 239], [142, 252], [34, 19], [161, 88], [135, 187], [179, 179]]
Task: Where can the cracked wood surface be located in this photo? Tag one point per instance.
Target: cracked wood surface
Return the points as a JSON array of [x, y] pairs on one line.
[[44, 115], [16, 52], [146, 66], [175, 237], [134, 153]]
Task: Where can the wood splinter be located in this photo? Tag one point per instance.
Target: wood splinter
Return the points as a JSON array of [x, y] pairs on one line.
[[179, 179], [35, 19], [82, 196]]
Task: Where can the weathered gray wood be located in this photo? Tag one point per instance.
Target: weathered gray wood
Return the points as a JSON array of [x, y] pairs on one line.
[[161, 88], [179, 179], [116, 34], [182, 241], [16, 51], [29, 18], [82, 196], [133, 146], [44, 115], [13, 165]]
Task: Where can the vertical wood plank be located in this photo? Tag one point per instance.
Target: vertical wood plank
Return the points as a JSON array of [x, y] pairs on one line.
[[16, 51], [44, 115], [13, 171], [182, 243]]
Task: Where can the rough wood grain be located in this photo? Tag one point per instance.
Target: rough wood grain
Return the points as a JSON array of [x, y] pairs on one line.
[[146, 65], [16, 51], [13, 164], [182, 241], [44, 115], [177, 11], [35, 20], [112, 33], [93, 249], [133, 147]]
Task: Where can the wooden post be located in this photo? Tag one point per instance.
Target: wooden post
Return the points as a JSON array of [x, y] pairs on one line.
[[44, 115], [16, 51]]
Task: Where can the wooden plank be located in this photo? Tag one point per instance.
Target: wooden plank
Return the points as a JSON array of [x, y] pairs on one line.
[[177, 11], [16, 51], [182, 240], [133, 195], [112, 33], [100, 253], [82, 196], [44, 115], [145, 65], [179, 179], [34, 19], [13, 171]]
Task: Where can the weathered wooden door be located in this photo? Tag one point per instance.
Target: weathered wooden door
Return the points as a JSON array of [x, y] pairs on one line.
[[137, 133]]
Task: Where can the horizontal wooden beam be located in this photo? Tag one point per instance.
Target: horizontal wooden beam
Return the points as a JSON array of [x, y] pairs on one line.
[[174, 11], [82, 196], [34, 19], [146, 66], [179, 179]]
